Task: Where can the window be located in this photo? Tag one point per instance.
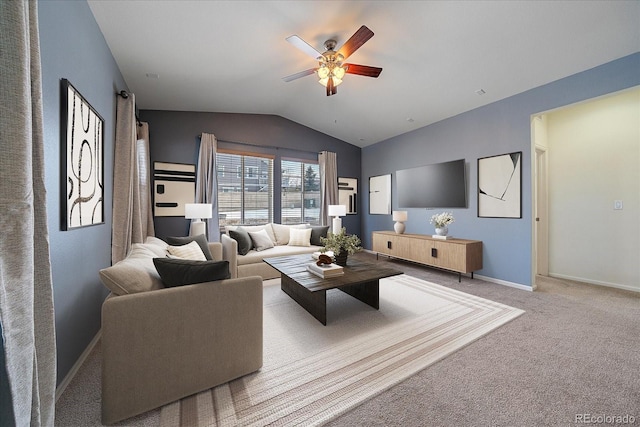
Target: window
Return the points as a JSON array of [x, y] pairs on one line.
[[245, 197], [300, 192]]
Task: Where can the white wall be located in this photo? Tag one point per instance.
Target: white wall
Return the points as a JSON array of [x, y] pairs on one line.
[[594, 159]]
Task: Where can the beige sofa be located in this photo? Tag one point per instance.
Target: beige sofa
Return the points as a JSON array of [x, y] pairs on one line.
[[162, 344], [252, 263]]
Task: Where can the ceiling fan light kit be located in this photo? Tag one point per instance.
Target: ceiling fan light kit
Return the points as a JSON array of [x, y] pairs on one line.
[[331, 70]]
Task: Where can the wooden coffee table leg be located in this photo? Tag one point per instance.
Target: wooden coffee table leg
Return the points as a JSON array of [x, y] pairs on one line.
[[368, 293], [314, 302]]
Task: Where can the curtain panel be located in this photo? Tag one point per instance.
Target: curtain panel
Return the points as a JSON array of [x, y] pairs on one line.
[[26, 295], [328, 162], [207, 182], [132, 213]]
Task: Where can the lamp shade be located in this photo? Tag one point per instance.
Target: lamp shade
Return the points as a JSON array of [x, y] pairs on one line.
[[337, 210], [197, 210], [399, 215]]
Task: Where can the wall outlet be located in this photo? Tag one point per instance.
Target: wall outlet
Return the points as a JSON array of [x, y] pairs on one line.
[[617, 205]]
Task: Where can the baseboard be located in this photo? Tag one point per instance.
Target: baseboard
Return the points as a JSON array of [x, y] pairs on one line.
[[76, 366], [505, 283], [594, 282], [485, 278]]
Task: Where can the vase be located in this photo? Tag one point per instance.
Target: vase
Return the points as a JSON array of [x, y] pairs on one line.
[[442, 231], [341, 258]]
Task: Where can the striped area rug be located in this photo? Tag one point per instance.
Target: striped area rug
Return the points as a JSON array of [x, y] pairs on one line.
[[313, 373]]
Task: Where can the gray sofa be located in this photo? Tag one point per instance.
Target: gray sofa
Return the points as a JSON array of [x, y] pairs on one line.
[[252, 263], [162, 344]]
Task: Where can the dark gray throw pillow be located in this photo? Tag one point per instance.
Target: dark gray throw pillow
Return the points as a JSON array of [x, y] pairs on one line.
[[318, 231], [179, 272], [200, 239], [241, 236]]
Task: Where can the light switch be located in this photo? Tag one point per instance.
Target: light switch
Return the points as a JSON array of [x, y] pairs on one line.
[[617, 205]]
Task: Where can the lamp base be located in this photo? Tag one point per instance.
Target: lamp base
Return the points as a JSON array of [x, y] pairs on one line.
[[197, 228], [336, 226], [399, 227]]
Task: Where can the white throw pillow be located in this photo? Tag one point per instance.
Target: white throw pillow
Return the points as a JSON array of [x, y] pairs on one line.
[[299, 237], [261, 240], [189, 251], [282, 232]]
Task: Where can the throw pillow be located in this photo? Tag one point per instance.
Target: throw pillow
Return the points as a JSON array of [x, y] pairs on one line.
[[282, 232], [189, 251], [261, 240], [299, 237], [178, 272], [200, 239], [318, 231], [135, 273], [241, 236], [252, 228]]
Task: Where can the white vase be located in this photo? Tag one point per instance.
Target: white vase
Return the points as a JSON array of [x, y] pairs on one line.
[[442, 231]]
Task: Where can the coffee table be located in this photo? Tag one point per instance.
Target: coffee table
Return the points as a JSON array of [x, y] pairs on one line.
[[361, 280]]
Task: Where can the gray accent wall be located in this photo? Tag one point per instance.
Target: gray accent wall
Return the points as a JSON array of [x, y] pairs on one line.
[[73, 47], [497, 128], [174, 137]]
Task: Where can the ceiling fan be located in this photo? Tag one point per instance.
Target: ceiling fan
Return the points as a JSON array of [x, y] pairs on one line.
[[331, 68]]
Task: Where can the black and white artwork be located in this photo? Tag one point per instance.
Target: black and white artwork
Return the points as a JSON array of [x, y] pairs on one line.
[[380, 195], [348, 194], [175, 186], [500, 186], [82, 165]]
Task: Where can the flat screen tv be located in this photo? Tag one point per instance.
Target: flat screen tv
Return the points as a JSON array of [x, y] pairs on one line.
[[439, 185]]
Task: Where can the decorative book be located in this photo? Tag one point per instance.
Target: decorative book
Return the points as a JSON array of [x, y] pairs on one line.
[[437, 236], [325, 271]]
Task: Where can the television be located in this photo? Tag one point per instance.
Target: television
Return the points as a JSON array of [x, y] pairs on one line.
[[439, 185]]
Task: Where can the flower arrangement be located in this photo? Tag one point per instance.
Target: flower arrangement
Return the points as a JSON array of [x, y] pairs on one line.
[[341, 242], [442, 219]]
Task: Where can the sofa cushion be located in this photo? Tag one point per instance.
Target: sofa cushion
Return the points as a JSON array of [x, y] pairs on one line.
[[189, 251], [318, 231], [253, 257], [241, 236], [300, 237], [260, 240], [282, 232], [157, 245], [179, 272], [200, 239], [136, 273]]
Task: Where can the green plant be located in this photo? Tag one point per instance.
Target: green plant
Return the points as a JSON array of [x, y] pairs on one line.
[[349, 243]]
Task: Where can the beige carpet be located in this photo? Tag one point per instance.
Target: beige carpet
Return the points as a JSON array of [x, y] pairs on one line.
[[312, 373]]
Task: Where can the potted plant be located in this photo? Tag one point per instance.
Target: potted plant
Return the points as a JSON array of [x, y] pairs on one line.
[[342, 245]]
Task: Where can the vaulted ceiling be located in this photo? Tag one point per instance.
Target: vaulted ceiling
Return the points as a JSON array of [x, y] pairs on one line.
[[230, 56]]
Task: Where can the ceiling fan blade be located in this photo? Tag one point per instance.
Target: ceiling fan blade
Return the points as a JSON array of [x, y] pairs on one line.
[[303, 46], [363, 70], [299, 75], [359, 38]]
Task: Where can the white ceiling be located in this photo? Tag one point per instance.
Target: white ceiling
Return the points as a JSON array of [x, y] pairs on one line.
[[230, 56]]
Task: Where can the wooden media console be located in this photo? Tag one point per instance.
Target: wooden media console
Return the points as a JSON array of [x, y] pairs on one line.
[[458, 255]]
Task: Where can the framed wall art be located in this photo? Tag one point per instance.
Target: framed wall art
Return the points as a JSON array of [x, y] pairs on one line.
[[82, 184], [348, 194], [500, 186], [380, 195], [174, 186]]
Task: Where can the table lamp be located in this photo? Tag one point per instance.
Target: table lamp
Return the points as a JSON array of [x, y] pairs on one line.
[[399, 217], [336, 211], [196, 212]]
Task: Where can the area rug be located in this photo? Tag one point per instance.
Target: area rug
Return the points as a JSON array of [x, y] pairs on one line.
[[313, 373]]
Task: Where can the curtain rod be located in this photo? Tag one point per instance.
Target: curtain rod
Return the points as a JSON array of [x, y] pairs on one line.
[[124, 94], [263, 146]]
